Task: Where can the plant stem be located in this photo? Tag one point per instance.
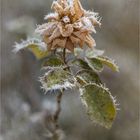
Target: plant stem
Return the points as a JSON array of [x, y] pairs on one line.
[[64, 56], [57, 113], [64, 60], [59, 97], [56, 117]]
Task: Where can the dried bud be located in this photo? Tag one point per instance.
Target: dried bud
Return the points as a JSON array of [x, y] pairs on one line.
[[70, 26]]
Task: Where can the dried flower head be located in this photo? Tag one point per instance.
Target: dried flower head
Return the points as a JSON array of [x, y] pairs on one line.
[[70, 26]]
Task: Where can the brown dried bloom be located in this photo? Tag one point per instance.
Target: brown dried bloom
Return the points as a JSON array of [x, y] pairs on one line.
[[69, 26]]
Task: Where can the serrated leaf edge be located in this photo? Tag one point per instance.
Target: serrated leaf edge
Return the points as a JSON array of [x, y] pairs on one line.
[[66, 85], [110, 60], [30, 41], [92, 66], [101, 86]]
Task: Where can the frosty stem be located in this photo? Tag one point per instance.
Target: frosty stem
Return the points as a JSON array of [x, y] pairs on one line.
[[59, 96], [57, 113]]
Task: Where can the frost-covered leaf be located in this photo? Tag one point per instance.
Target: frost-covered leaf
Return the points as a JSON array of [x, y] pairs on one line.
[[39, 54], [36, 46], [90, 53], [52, 61], [57, 79], [81, 63], [94, 64], [99, 104], [109, 62], [89, 76]]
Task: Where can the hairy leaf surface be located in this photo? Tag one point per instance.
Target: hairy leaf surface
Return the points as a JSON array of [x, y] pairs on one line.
[[57, 79], [108, 62], [99, 104], [81, 63], [94, 64], [53, 61], [89, 76]]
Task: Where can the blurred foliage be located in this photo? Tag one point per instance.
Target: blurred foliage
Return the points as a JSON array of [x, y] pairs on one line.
[[21, 99]]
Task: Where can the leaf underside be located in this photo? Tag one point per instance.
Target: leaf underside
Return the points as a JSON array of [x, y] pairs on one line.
[[108, 62], [39, 54], [35, 45]]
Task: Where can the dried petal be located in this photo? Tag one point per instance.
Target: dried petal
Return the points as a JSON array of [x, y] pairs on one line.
[[72, 11], [74, 39], [67, 10], [66, 30], [88, 24], [80, 35], [79, 11], [63, 3], [52, 16], [90, 13], [59, 42], [57, 8], [78, 25], [46, 29], [90, 41], [70, 45], [94, 21], [56, 33]]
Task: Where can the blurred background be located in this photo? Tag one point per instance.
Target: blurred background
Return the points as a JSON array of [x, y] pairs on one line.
[[22, 100]]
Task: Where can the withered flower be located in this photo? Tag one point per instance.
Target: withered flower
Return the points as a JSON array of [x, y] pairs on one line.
[[69, 26]]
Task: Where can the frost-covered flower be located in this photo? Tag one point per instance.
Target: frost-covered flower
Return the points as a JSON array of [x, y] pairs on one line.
[[70, 26]]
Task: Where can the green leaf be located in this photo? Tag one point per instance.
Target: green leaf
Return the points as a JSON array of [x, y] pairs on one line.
[[57, 79], [81, 63], [99, 104], [35, 45], [110, 63], [94, 64], [39, 54], [89, 76], [53, 61]]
